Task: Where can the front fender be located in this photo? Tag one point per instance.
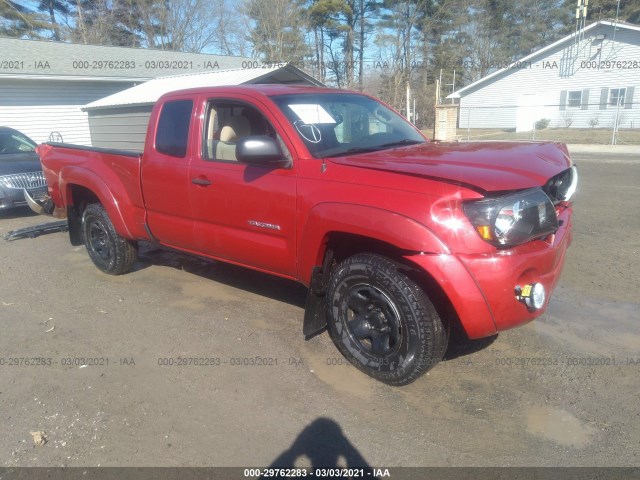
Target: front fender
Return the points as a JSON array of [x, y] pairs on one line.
[[385, 226]]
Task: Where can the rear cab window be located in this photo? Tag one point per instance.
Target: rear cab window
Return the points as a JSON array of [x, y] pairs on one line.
[[172, 133]]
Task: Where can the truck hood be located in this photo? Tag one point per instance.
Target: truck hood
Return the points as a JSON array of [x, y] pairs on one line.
[[488, 166]]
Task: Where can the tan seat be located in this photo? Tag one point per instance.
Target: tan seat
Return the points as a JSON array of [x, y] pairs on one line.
[[236, 127]]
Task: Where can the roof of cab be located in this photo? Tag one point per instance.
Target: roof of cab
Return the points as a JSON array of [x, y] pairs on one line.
[[146, 94], [268, 90]]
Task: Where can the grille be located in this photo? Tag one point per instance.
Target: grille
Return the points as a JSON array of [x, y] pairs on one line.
[[24, 180]]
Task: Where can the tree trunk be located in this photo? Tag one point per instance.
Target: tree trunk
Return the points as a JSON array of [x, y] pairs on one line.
[[361, 52]]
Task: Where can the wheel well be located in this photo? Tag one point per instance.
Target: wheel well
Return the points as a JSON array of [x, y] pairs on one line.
[[80, 198], [440, 300], [343, 245]]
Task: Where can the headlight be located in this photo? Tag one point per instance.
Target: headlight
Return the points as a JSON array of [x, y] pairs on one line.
[[573, 185], [561, 187], [513, 219]]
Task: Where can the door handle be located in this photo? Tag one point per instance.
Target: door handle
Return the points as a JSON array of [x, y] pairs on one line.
[[201, 181]]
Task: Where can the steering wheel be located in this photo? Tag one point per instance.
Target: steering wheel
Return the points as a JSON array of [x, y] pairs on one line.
[[379, 137], [382, 115]]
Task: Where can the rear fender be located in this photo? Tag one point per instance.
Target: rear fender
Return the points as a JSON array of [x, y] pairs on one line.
[[71, 176]]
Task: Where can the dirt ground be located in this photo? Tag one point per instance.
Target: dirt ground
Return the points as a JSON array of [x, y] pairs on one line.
[[562, 390]]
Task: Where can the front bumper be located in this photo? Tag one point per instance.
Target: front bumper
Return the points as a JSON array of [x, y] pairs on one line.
[[482, 288], [12, 197]]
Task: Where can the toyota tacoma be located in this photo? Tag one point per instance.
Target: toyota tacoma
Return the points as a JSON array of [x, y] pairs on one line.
[[398, 239]]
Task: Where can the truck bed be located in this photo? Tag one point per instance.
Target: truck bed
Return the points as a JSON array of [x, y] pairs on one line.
[[112, 175]]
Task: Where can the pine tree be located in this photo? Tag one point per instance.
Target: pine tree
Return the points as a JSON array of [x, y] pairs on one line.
[[19, 21], [51, 8]]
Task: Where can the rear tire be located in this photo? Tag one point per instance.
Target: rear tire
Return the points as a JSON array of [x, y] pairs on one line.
[[110, 252], [382, 321]]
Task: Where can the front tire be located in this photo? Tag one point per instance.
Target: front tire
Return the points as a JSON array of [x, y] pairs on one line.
[[110, 252], [382, 321]]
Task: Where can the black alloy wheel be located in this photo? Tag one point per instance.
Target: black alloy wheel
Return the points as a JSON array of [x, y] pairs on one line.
[[382, 321]]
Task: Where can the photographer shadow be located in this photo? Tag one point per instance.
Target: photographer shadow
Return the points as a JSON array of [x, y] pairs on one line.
[[323, 445]]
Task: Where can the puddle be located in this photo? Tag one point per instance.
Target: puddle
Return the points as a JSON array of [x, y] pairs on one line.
[[343, 377], [559, 426], [592, 326]]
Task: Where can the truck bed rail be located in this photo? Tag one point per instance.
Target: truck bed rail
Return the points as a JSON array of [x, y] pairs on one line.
[[112, 151]]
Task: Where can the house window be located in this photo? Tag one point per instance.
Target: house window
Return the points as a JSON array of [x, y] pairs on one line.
[[616, 96], [574, 99]]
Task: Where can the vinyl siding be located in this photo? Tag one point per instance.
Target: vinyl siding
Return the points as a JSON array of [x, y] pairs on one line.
[[124, 128], [495, 104], [40, 107]]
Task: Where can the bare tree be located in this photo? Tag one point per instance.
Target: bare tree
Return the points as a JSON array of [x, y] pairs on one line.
[[180, 25], [95, 22], [398, 41], [277, 32], [199, 25]]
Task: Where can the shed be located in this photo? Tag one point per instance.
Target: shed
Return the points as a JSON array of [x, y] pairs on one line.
[[587, 79], [120, 120]]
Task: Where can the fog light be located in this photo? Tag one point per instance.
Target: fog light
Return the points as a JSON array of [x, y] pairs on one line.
[[533, 295]]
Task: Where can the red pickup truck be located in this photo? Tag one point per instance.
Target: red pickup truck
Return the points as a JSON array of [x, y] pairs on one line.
[[397, 238]]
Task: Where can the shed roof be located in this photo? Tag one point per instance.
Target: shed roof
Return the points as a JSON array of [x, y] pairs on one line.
[[75, 61], [541, 52], [149, 92]]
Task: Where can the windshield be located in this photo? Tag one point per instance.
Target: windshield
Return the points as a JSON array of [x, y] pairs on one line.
[[14, 142], [335, 124]]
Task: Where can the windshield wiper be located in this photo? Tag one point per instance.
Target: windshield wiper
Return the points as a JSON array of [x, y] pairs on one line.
[[353, 150], [374, 148], [400, 143]]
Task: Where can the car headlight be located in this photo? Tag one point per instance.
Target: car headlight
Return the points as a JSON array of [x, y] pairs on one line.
[[513, 219], [561, 187], [567, 193]]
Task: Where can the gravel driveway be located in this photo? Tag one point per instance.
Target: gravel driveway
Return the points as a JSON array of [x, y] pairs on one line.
[[191, 362]]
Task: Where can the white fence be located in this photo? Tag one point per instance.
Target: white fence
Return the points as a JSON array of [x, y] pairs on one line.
[[532, 120]]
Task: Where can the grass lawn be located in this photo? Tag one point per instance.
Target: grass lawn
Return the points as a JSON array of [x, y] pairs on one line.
[[566, 135]]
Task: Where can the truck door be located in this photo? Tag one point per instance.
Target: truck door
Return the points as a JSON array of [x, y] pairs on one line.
[[243, 213], [165, 175]]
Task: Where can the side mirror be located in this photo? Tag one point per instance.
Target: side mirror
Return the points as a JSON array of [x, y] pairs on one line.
[[260, 150]]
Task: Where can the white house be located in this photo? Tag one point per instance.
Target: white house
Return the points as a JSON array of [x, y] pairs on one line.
[[45, 84], [587, 79]]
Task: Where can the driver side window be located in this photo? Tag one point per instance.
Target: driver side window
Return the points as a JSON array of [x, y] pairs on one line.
[[226, 123]]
